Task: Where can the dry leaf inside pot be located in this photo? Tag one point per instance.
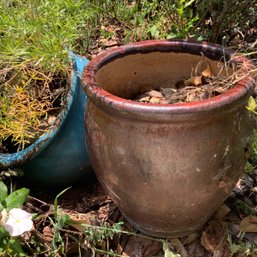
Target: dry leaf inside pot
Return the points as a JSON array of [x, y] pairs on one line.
[[207, 72], [194, 81], [202, 84]]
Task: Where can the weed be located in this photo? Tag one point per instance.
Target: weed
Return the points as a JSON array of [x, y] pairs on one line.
[[167, 251], [12, 202], [240, 246]]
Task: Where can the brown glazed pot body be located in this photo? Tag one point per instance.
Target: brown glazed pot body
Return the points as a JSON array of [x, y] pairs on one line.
[[167, 167]]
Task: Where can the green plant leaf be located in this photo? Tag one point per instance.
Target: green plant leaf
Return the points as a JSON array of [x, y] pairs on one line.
[[167, 251], [64, 220], [251, 104], [3, 191], [15, 245], [16, 199], [1, 207], [56, 202], [3, 234], [189, 3]]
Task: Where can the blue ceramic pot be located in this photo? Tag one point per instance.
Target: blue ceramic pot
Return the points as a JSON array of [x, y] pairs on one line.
[[59, 157]]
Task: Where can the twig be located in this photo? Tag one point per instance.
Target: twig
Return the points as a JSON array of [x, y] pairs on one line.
[[37, 200]]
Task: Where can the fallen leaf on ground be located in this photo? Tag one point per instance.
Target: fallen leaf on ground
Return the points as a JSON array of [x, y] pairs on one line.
[[214, 239], [48, 234], [89, 218], [251, 237], [141, 247], [249, 224], [195, 249]]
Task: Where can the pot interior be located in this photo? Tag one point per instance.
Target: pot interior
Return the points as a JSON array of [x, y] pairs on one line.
[[130, 75]]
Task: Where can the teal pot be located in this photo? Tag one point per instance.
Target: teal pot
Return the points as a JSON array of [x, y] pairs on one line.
[[59, 157], [168, 167]]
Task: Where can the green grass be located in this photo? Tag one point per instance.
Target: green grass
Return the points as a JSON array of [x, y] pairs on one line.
[[36, 35], [35, 38]]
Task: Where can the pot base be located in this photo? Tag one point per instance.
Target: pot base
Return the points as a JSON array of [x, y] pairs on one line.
[[163, 233]]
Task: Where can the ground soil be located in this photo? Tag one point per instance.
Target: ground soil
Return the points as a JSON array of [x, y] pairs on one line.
[[93, 206]]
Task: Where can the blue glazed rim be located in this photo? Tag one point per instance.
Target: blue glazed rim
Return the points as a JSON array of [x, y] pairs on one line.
[[18, 158]]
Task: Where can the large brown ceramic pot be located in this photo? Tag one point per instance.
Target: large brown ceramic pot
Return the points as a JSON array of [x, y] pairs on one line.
[[167, 167]]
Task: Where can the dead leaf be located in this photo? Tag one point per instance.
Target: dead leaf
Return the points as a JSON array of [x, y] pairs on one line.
[[219, 90], [144, 99], [190, 97], [235, 230], [48, 234], [249, 224], [89, 218], [168, 92], [214, 239], [204, 95], [163, 101], [195, 249], [154, 93], [207, 72], [194, 81], [141, 247], [154, 100]]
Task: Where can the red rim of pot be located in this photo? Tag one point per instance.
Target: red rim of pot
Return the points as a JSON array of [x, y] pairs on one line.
[[104, 99]]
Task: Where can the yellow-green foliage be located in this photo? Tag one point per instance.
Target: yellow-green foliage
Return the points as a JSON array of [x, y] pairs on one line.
[[21, 110], [35, 37]]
